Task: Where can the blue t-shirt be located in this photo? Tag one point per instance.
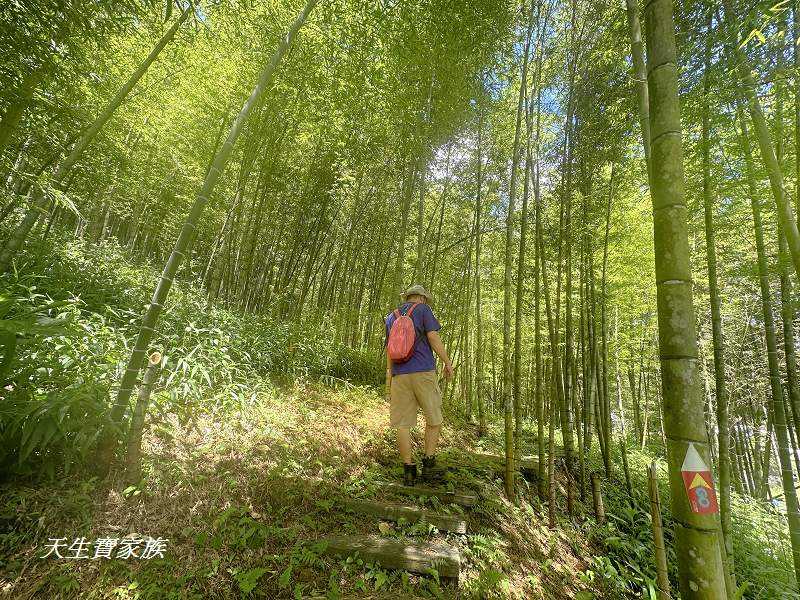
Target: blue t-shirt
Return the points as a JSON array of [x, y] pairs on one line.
[[422, 358]]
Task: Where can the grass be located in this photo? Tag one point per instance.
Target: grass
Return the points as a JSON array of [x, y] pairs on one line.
[[243, 501], [252, 442]]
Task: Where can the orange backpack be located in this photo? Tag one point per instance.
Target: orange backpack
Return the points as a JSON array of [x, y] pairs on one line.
[[402, 336]]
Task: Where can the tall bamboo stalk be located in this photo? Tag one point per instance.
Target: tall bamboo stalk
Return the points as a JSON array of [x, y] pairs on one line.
[[538, 274], [133, 458], [520, 290], [478, 307], [150, 318], [662, 576], [597, 496], [723, 433], [700, 568], [639, 75], [40, 199], [606, 404], [509, 402], [778, 412], [554, 377]]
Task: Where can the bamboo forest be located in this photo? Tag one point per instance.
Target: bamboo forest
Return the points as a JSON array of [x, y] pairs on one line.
[[491, 299]]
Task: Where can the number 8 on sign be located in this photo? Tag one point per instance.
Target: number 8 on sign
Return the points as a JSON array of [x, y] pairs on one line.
[[702, 498]]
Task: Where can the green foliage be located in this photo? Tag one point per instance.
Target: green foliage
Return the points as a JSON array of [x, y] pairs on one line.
[[247, 580], [486, 552], [761, 550], [236, 529], [54, 390], [761, 547], [26, 512], [490, 584], [70, 326], [53, 430], [21, 318]]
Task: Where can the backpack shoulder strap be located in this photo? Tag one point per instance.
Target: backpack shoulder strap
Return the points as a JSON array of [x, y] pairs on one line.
[[419, 332]]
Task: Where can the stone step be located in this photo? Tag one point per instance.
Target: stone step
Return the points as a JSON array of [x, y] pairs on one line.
[[417, 557], [393, 512], [444, 496]]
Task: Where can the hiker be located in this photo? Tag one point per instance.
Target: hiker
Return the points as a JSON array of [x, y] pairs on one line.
[[412, 336]]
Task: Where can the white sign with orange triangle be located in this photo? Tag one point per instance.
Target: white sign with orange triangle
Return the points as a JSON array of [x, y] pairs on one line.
[[698, 483]]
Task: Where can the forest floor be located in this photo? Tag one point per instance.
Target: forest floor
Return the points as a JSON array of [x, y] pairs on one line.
[[243, 498], [245, 471]]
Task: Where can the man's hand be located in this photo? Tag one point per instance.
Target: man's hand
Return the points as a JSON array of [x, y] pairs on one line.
[[438, 347], [448, 371]]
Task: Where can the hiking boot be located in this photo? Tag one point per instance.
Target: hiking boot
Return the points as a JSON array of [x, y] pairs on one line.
[[430, 472], [409, 474]]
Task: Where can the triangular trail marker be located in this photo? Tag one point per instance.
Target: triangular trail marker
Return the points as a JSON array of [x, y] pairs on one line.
[[693, 462], [699, 481]]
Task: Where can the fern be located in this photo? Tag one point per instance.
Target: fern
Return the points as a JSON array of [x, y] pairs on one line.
[[247, 580]]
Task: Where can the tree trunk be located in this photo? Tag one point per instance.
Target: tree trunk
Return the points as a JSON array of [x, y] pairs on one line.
[[585, 379], [419, 273], [639, 75], [606, 405], [777, 404], [796, 82], [747, 454], [662, 574], [520, 293], [556, 394], [407, 193], [538, 275], [16, 108], [508, 378], [133, 458], [39, 198], [788, 311], [700, 568], [551, 460], [478, 316], [150, 319], [599, 510]]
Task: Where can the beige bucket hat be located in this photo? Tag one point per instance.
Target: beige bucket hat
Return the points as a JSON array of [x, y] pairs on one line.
[[417, 289]]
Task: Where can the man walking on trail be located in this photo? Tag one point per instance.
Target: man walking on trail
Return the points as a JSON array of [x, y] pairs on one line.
[[412, 336]]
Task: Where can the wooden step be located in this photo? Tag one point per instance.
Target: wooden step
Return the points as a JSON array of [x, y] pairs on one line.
[[528, 465], [418, 557], [392, 512], [444, 496]]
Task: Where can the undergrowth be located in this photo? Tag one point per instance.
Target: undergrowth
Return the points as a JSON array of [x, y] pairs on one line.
[[246, 503], [256, 432], [69, 318], [762, 551]]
